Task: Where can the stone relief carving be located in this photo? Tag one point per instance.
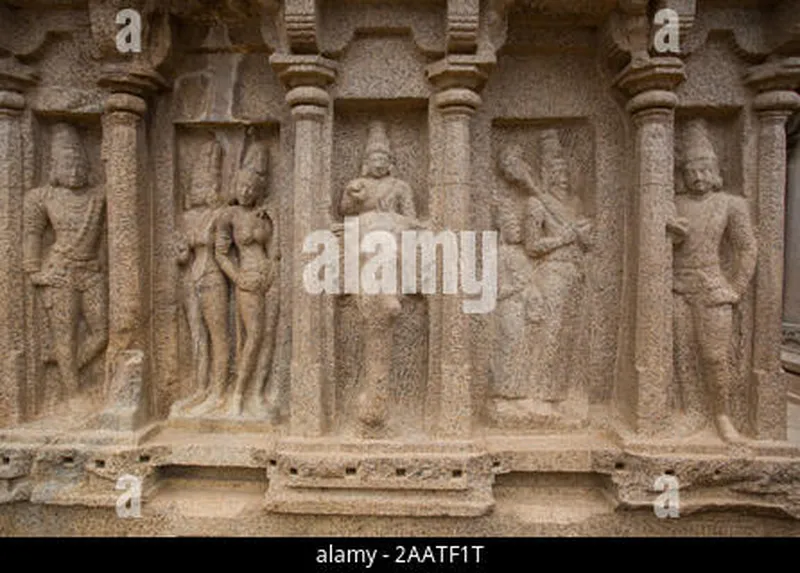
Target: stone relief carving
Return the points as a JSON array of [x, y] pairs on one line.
[[231, 298], [399, 404], [68, 274], [708, 218], [381, 202], [544, 239], [206, 288], [243, 235]]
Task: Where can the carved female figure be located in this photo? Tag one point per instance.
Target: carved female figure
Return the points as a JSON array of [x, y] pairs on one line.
[[556, 239], [519, 304], [244, 233], [206, 286], [541, 262], [381, 202]]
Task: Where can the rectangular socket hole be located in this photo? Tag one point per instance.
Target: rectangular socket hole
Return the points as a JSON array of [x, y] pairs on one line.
[[350, 471], [144, 458], [400, 472], [68, 460], [273, 463], [100, 463], [457, 473], [293, 471], [6, 460]]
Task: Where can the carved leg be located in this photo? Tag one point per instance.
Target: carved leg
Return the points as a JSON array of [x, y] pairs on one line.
[[261, 379], [95, 312], [509, 362], [565, 303], [556, 286], [715, 330], [63, 308], [214, 305], [200, 355], [251, 314], [379, 313], [692, 398]]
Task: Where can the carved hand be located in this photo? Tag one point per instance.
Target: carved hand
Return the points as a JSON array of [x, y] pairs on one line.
[[222, 244], [248, 281], [356, 189], [182, 252], [51, 277], [678, 227]]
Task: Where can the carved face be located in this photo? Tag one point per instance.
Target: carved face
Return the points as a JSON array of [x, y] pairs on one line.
[[556, 177], [378, 164], [249, 187], [70, 168], [702, 176]]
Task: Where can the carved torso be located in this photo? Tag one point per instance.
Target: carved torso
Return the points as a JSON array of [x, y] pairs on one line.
[[199, 225], [697, 261], [77, 221]]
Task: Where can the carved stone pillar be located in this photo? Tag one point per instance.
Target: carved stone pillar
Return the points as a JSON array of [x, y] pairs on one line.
[[454, 103], [306, 78], [126, 215], [121, 122], [12, 311], [642, 397], [773, 105]]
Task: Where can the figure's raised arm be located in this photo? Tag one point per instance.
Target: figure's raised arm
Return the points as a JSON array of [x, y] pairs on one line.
[[353, 197]]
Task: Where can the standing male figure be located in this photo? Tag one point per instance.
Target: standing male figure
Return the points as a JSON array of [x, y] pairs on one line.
[[70, 275], [704, 295]]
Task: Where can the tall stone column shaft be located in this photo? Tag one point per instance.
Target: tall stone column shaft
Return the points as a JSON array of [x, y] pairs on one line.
[[121, 122], [645, 397], [773, 107], [12, 311], [456, 103], [306, 78]]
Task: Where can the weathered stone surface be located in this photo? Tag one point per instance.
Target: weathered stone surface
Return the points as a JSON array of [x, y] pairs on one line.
[[222, 308]]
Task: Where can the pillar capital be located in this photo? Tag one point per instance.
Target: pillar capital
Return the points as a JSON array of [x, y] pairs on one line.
[[304, 70], [660, 75], [131, 79], [776, 75], [463, 72], [125, 102]]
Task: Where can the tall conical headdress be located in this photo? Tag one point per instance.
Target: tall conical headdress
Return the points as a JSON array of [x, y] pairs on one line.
[[256, 158], [550, 143], [696, 142], [377, 140], [66, 136], [209, 169], [205, 176]]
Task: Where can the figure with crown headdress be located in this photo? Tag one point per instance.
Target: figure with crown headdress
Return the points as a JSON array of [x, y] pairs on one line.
[[547, 240], [382, 202], [206, 288], [244, 236], [69, 273], [704, 294]]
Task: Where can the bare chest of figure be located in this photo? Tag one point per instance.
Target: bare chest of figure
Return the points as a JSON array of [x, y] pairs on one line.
[[199, 227], [706, 217], [249, 229], [69, 213], [380, 194]]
